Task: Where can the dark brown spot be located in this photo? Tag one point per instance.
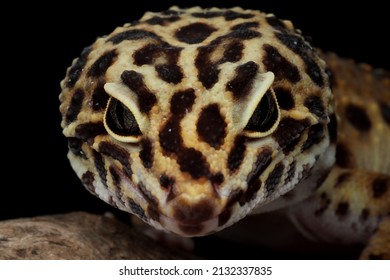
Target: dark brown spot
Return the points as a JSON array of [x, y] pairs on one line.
[[193, 162], [134, 34], [357, 117], [100, 66], [263, 160], [88, 131], [100, 167], [118, 202], [118, 153], [316, 106], [380, 186], [194, 33], [147, 54], [169, 73], [194, 213], [75, 146], [182, 101], [207, 71], [229, 15], [135, 82], [364, 215], [332, 128], [99, 98], [306, 52], [343, 156], [75, 106], [274, 178], [137, 209], [314, 72], [162, 20], [233, 52], [279, 65], [237, 153], [385, 110], [342, 178], [342, 209], [314, 136], [87, 179], [241, 34], [324, 204], [146, 153], [166, 182], [209, 76], [116, 177], [251, 192], [170, 136], [232, 15], [211, 126], [77, 68], [289, 129], [290, 173], [243, 81], [291, 146], [265, 114], [224, 217], [285, 98], [245, 25], [217, 179], [207, 14], [276, 23], [149, 197]]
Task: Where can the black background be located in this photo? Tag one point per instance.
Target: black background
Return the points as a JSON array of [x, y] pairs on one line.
[[40, 41]]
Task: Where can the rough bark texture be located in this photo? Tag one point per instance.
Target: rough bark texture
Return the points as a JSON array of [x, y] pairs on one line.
[[77, 235]]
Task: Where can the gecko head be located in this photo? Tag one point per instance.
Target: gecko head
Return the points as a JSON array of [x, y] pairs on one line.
[[203, 159], [199, 124]]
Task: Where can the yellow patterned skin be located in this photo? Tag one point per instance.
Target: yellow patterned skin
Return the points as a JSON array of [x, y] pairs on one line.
[[193, 118], [353, 204]]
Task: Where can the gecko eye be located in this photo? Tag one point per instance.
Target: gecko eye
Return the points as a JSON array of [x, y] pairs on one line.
[[264, 118], [120, 122]]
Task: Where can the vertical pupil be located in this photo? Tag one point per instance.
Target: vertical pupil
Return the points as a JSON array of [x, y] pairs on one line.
[[265, 110], [120, 115], [264, 115], [121, 120]]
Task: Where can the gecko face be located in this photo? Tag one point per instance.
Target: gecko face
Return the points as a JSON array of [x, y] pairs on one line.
[[191, 118]]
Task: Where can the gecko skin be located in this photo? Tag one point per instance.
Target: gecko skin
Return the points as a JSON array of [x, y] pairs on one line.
[[191, 119]]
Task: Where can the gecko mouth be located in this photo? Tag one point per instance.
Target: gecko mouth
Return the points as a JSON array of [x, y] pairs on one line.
[[190, 229], [192, 217], [199, 217]]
